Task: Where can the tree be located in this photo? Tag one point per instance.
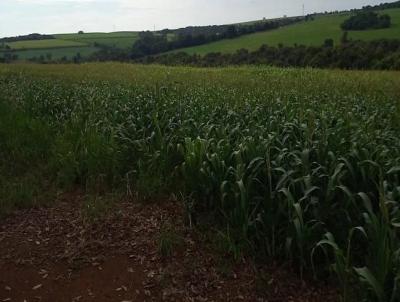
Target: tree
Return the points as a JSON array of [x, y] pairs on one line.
[[149, 44], [345, 37], [231, 32], [78, 58], [366, 20], [80, 32], [329, 43]]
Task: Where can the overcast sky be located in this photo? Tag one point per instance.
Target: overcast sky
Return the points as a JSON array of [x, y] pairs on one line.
[[65, 16]]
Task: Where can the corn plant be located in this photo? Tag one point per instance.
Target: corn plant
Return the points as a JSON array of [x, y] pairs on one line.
[[282, 168]]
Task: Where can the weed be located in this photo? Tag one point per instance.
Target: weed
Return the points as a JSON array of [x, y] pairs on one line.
[[168, 241]]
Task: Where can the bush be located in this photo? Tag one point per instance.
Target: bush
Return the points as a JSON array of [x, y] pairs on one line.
[[367, 20]]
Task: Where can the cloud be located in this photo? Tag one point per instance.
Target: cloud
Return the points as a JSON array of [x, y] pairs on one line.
[[54, 16]]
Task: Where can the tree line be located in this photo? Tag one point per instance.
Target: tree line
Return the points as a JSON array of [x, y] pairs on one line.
[[379, 54], [242, 28], [26, 38], [387, 5]]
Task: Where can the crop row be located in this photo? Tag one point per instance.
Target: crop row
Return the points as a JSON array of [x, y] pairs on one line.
[[311, 178]]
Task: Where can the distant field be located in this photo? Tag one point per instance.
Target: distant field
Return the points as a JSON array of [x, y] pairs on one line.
[[307, 33], [37, 44], [120, 42], [68, 45], [56, 53]]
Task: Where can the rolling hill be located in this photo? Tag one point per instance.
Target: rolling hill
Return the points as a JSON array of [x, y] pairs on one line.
[[69, 45], [311, 33]]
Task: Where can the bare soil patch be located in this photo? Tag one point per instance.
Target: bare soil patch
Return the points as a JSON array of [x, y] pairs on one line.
[[56, 254]]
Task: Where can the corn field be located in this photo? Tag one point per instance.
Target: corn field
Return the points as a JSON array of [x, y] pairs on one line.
[[301, 166]]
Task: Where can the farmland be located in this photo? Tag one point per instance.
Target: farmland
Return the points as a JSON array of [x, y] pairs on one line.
[[312, 33], [37, 44], [56, 53], [69, 45], [117, 39], [297, 165]]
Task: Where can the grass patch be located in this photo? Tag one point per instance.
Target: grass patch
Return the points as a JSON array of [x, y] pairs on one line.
[[49, 43], [311, 33], [95, 206], [168, 241], [55, 53]]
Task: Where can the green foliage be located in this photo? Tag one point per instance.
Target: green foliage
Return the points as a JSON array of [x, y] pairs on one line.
[[24, 143], [283, 168], [366, 20], [377, 54], [168, 241], [96, 206]]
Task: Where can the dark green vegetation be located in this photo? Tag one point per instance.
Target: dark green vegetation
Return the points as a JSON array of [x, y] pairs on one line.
[[301, 166], [367, 20], [31, 37], [379, 54]]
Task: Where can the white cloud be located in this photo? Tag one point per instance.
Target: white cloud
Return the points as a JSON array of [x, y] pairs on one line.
[[53, 16]]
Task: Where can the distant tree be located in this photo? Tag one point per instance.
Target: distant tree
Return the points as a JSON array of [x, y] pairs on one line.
[[80, 32], [77, 58], [345, 38], [231, 32], [329, 43], [110, 53], [366, 20], [149, 43], [309, 17], [27, 38]]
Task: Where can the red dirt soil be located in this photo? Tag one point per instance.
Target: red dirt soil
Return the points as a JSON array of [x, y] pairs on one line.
[[56, 254]]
